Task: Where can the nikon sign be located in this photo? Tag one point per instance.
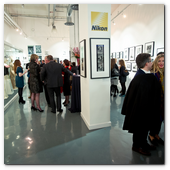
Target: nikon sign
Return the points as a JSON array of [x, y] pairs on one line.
[[99, 21]]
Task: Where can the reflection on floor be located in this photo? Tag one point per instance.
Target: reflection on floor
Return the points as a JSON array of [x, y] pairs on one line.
[[32, 137]]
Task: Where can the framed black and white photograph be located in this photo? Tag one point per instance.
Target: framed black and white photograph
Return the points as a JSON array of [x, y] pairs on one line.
[[134, 67], [83, 58], [132, 53], [159, 50], [121, 55], [114, 55], [129, 66], [126, 54], [149, 48], [38, 48], [100, 58], [138, 50], [30, 50], [111, 55], [117, 55]]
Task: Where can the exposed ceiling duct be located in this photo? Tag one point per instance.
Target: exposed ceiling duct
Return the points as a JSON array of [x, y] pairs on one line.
[[53, 26], [69, 12]]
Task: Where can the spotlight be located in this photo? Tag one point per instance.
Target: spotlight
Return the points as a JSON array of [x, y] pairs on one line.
[[124, 16], [20, 33], [17, 29]]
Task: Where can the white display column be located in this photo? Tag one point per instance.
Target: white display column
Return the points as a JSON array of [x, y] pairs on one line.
[[95, 93]]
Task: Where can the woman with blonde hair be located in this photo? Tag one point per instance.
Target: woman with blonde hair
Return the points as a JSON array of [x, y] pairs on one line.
[[19, 79], [35, 82], [158, 71], [122, 77]]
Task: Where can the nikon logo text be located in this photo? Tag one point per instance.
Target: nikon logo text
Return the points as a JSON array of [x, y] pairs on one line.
[[98, 28]]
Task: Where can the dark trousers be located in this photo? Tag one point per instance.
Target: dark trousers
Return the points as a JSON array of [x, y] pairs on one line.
[[51, 91], [46, 94], [114, 88], [123, 87], [140, 138], [156, 130], [20, 92]]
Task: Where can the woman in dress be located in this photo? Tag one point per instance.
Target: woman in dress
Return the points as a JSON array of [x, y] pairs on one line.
[[66, 86], [122, 77], [35, 82], [158, 71], [19, 79]]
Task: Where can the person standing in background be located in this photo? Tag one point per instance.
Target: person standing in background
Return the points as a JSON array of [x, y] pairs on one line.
[[35, 82], [19, 79], [122, 77]]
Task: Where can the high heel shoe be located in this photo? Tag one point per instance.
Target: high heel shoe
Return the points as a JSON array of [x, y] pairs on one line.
[[40, 110], [33, 108]]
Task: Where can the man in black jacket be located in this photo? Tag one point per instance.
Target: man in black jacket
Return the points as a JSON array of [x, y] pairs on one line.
[[141, 106], [52, 72]]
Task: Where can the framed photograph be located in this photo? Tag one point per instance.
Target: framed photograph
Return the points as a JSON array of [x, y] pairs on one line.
[[149, 48], [132, 53], [134, 67], [129, 66], [83, 58], [100, 58], [38, 48], [121, 55], [159, 50], [126, 56], [114, 55], [138, 50], [111, 55], [117, 55], [30, 50]]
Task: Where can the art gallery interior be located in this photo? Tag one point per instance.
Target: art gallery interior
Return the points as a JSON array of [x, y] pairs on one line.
[[93, 136]]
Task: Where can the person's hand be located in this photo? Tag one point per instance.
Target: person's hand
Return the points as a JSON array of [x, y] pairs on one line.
[[74, 74]]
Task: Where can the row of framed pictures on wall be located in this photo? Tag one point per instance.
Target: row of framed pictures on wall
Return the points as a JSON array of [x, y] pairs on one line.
[[130, 54], [100, 57]]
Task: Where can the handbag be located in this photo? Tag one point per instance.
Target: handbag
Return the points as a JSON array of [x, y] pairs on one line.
[[115, 72], [125, 73]]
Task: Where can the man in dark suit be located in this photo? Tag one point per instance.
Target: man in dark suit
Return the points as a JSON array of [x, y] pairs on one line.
[[141, 105], [52, 72]]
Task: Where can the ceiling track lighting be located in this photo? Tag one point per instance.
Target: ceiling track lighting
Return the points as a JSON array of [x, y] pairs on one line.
[[121, 12], [13, 24]]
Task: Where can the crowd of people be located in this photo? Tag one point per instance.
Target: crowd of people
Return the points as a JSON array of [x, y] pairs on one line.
[[49, 75], [145, 90]]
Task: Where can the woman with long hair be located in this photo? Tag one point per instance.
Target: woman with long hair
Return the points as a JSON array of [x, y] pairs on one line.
[[158, 71], [66, 86], [35, 82], [19, 79], [122, 77], [114, 77]]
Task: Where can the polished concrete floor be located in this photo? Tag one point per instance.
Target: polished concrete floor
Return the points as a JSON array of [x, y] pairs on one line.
[[32, 138]]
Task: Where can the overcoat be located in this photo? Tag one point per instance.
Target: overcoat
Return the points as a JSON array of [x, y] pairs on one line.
[[35, 82], [141, 105]]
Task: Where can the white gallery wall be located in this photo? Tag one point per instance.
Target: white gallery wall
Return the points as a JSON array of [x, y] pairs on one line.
[[39, 33], [143, 23]]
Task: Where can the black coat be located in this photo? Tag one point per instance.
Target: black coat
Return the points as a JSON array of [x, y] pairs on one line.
[[122, 77], [35, 82], [52, 73], [141, 105]]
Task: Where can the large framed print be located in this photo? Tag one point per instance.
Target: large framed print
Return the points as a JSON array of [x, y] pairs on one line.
[[117, 55], [83, 58], [114, 55], [126, 56], [149, 48], [38, 48], [99, 58], [132, 53], [138, 50]]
